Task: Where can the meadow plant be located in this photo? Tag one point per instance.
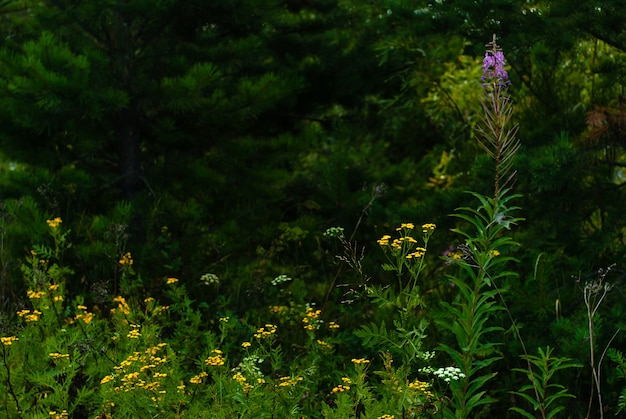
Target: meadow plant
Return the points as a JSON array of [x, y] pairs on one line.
[[482, 257]]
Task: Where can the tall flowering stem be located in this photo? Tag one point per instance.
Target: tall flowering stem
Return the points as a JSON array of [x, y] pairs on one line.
[[496, 133]]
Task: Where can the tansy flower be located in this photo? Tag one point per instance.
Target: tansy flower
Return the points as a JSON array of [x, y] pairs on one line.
[[172, 281], [198, 378], [107, 379], [427, 228], [265, 332], [126, 259], [8, 340], [289, 381], [341, 388], [54, 223], [216, 360]]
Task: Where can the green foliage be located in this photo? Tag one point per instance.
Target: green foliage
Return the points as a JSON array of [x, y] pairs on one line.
[[469, 317], [618, 358], [542, 394], [217, 142]]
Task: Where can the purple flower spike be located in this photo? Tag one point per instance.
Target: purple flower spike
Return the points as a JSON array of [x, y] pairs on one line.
[[493, 68]]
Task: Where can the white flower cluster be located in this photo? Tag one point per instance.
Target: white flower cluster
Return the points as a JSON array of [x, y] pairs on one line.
[[334, 232], [280, 279], [249, 366], [448, 374], [209, 279], [426, 356]]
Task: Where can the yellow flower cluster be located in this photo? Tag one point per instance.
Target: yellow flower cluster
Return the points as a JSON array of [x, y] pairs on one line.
[[198, 378], [126, 259], [289, 381], [122, 305], [396, 244], [408, 226], [494, 253], [172, 281], [421, 386], [418, 253], [8, 340], [360, 361], [216, 360], [84, 315], [384, 240], [324, 344], [35, 295], [243, 382], [386, 416], [54, 415], [54, 223], [56, 355], [266, 332], [134, 371], [343, 387], [311, 319], [107, 378], [29, 316], [246, 345], [134, 333], [333, 325], [428, 228]]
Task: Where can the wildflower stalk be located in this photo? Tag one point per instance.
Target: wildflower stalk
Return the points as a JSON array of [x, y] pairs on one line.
[[594, 293], [496, 135], [480, 256]]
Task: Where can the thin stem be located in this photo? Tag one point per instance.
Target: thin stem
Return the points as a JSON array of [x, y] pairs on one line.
[[11, 391]]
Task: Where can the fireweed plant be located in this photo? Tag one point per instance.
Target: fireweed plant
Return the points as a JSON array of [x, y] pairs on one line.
[[482, 280]]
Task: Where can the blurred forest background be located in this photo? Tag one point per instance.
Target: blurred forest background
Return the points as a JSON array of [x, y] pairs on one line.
[[221, 139]]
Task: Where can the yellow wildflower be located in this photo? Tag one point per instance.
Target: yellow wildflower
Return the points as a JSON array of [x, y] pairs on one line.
[[384, 240], [198, 378], [289, 381], [216, 360], [172, 281], [54, 223], [246, 344], [35, 295], [418, 253], [265, 332], [107, 379], [126, 259], [408, 226], [360, 361], [428, 228], [8, 340]]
